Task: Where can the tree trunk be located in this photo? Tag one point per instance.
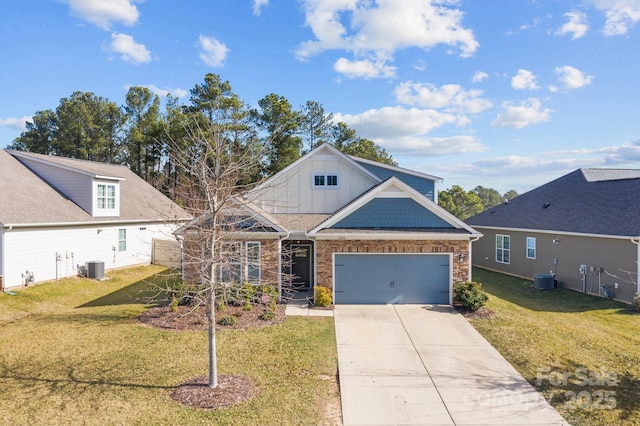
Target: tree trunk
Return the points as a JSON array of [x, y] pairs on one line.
[[213, 368]]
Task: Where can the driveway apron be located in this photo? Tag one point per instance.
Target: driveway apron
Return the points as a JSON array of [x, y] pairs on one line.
[[426, 365]]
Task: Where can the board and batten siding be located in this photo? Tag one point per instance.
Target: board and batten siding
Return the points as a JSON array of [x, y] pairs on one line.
[[35, 249], [76, 186], [617, 256], [293, 193]]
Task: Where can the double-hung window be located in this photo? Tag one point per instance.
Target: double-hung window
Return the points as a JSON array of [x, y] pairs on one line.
[[503, 248], [231, 262], [122, 239], [531, 248], [237, 265], [253, 262], [106, 197]]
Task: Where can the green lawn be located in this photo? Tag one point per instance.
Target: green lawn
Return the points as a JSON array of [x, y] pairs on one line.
[[72, 352], [550, 335]]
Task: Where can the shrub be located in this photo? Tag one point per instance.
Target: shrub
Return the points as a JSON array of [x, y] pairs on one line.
[[174, 304], [470, 294], [267, 315], [323, 296], [228, 320], [247, 307], [636, 301]]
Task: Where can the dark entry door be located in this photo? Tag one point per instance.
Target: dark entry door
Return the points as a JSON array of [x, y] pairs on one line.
[[301, 265]]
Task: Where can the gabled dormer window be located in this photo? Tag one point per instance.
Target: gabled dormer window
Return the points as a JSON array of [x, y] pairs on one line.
[[325, 180]]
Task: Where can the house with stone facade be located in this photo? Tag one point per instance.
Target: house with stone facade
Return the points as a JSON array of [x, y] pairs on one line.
[[370, 232]]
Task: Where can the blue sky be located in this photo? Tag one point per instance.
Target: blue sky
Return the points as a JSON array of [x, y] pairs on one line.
[[503, 94]]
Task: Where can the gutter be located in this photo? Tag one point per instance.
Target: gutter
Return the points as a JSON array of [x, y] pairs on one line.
[[113, 222]]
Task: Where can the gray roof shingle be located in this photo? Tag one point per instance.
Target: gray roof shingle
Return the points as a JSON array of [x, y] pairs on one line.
[[25, 198], [587, 201]]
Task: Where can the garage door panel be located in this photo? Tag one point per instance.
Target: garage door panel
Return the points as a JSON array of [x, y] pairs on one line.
[[391, 278]]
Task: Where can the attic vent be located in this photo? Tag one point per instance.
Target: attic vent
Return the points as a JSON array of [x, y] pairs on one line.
[[545, 205]]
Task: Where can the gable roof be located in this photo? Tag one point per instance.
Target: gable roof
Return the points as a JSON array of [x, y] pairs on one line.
[[26, 198], [438, 220], [585, 201], [317, 151]]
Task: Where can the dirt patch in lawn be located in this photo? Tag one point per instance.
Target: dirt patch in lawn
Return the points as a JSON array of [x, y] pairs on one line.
[[190, 318], [231, 390]]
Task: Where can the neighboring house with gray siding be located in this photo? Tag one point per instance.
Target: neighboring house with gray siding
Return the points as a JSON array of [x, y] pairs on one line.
[[589, 217], [370, 232], [58, 213]]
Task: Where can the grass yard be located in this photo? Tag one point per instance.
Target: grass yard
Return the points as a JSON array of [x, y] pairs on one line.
[[581, 351], [73, 352]]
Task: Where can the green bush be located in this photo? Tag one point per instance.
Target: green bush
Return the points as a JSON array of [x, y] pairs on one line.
[[470, 294], [174, 304], [268, 315], [228, 320], [323, 296], [247, 307]]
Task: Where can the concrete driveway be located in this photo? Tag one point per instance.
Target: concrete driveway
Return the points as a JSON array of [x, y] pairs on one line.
[[425, 364]]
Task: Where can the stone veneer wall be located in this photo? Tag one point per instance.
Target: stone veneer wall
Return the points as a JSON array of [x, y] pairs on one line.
[[325, 249]]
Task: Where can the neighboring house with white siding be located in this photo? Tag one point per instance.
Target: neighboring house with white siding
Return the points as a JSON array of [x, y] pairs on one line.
[[57, 214]]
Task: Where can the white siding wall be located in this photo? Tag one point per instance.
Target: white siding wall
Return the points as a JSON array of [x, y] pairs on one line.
[[77, 186], [293, 191], [35, 249]]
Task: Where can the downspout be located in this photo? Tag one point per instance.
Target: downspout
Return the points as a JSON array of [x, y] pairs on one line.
[[180, 238], [471, 241], [2, 256], [636, 241]]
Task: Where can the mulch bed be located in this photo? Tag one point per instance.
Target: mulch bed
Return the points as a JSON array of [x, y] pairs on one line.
[[190, 318], [480, 313], [231, 390]]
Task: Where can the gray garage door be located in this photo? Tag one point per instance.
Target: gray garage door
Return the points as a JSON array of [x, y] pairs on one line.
[[391, 278]]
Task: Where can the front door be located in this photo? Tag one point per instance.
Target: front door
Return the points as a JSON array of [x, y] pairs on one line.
[[301, 265]]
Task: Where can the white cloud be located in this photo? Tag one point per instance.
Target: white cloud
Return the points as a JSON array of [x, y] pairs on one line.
[[428, 146], [577, 25], [449, 97], [378, 29], [620, 15], [479, 76], [525, 79], [258, 5], [16, 123], [129, 50], [572, 78], [524, 114], [103, 13], [213, 52], [163, 92], [390, 122], [365, 68]]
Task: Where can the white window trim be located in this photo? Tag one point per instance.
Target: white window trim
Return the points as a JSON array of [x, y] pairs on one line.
[[120, 240], [258, 265], [527, 248], [326, 176], [221, 271], [106, 211], [503, 249]]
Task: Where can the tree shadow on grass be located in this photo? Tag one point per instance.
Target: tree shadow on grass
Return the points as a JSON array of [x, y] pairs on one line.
[[151, 290]]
